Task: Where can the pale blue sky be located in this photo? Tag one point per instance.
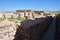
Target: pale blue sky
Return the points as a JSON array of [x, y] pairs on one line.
[[12, 5]]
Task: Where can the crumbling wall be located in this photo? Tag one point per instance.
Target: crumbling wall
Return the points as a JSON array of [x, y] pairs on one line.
[[33, 29], [28, 30]]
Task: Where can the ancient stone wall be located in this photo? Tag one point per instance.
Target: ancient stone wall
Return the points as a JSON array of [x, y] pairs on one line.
[[28, 30], [28, 14], [33, 29]]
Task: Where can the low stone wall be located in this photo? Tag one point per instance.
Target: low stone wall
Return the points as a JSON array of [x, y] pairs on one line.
[[33, 29], [27, 15]]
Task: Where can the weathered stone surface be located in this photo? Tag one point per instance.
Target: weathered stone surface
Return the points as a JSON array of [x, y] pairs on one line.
[[26, 28], [7, 30], [33, 29], [21, 14]]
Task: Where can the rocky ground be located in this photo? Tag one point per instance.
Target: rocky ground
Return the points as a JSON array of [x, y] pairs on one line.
[[7, 30]]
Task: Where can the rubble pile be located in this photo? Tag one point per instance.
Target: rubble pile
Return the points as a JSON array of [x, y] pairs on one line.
[[7, 30]]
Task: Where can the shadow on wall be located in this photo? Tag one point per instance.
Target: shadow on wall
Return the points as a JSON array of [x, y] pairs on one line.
[[33, 29], [57, 32]]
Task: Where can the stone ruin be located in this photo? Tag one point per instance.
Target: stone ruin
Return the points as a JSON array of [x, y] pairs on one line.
[[33, 29], [7, 30], [28, 30], [27, 14]]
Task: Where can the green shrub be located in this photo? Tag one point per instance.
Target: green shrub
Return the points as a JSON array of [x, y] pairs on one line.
[[10, 19], [16, 19], [20, 18], [1, 19]]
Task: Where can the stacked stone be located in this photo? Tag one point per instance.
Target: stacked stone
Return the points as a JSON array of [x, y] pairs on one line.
[[33, 29], [7, 30]]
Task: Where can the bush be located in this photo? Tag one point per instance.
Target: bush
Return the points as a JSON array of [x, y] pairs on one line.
[[20, 18], [10, 19], [1, 19], [16, 19]]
